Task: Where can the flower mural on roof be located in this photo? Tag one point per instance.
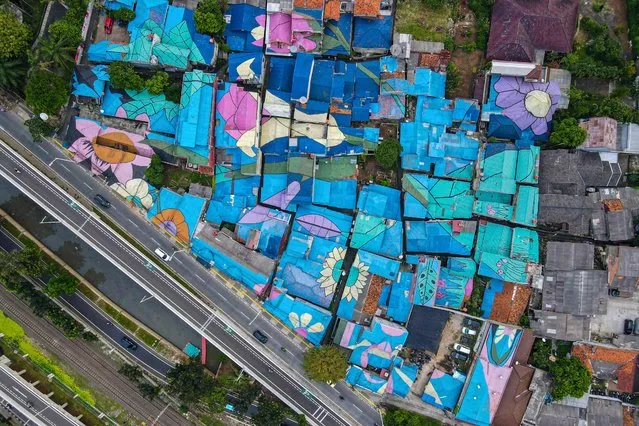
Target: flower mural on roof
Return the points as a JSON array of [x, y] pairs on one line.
[[290, 30], [136, 190], [356, 280], [258, 32], [173, 222], [301, 323], [528, 105], [331, 270], [238, 108]]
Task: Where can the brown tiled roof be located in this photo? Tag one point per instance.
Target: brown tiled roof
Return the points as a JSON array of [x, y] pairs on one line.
[[331, 10], [372, 297], [524, 347], [625, 359], [519, 27], [513, 404], [613, 205], [628, 416], [510, 304], [309, 4], [437, 61], [366, 7]]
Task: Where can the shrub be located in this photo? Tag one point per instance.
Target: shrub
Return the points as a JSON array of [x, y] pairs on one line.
[[123, 76]]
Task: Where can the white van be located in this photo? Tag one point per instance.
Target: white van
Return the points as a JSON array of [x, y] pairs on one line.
[[161, 254], [469, 331], [461, 348]]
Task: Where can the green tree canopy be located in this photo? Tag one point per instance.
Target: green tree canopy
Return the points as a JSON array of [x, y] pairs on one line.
[[46, 92], [123, 76], [38, 128], [68, 32], [148, 390], [216, 399], [14, 36], [569, 378], [246, 395], [568, 134], [12, 74], [31, 260], [269, 413], [157, 83], [189, 382], [155, 172], [123, 14], [131, 372], [326, 363], [209, 18], [63, 283], [400, 417], [388, 152]]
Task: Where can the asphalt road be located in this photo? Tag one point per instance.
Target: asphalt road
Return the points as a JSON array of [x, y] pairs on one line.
[[16, 392], [93, 315], [278, 371]]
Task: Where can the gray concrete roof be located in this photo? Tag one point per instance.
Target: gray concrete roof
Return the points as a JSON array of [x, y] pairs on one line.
[[567, 256], [561, 326], [583, 292], [604, 412]]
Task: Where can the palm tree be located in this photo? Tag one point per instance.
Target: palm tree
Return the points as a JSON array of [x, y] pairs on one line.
[[55, 53], [12, 74]]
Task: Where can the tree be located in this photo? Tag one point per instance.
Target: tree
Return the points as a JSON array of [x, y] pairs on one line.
[[388, 152], [325, 364], [56, 53], [14, 36], [541, 353], [131, 372], [400, 417], [216, 399], [569, 378], [69, 326], [67, 31], [38, 128], [173, 93], [269, 413], [188, 381], [567, 134], [30, 260], [246, 395], [122, 76], [209, 18], [157, 83], [9, 266], [148, 390], [155, 172], [123, 14], [63, 283], [39, 304], [12, 74], [87, 336], [46, 92]]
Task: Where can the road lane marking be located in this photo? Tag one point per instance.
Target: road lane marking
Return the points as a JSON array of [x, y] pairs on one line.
[[256, 315], [134, 224], [87, 185], [155, 241], [65, 167]]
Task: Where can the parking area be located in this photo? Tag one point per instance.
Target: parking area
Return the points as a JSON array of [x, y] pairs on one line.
[[610, 325]]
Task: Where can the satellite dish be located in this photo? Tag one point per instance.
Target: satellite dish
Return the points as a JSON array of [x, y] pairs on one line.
[[44, 116], [396, 50], [293, 49], [303, 99]]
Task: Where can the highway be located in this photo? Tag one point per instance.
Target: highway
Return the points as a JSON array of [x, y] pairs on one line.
[[16, 394], [278, 371]]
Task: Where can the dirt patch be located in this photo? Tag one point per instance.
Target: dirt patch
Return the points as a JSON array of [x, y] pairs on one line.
[[371, 172], [467, 65]]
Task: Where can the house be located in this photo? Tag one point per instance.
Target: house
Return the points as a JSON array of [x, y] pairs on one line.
[[560, 326], [582, 292], [604, 412], [567, 256], [521, 29], [616, 367], [623, 268], [601, 134]]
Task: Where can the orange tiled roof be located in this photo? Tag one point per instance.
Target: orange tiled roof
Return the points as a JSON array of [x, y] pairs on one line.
[[435, 61], [309, 4], [510, 304], [366, 7], [331, 10], [626, 360], [628, 416], [613, 205]]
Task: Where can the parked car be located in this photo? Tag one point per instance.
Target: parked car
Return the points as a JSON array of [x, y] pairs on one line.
[[459, 356], [471, 322], [636, 328], [614, 292], [102, 201], [461, 348], [469, 331], [467, 340], [161, 254], [108, 25], [628, 326], [126, 342], [260, 336]]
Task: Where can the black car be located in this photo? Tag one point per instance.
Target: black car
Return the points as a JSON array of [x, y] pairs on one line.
[[102, 201], [628, 326], [466, 340], [459, 356], [471, 322], [260, 336], [128, 343]]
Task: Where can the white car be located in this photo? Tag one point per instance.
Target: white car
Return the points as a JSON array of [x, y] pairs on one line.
[[469, 331], [161, 254], [461, 348]]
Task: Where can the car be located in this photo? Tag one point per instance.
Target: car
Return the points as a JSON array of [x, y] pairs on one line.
[[108, 25], [161, 254], [628, 327], [260, 336], [471, 322], [102, 201], [467, 340], [461, 348], [126, 342], [459, 356], [29, 404], [469, 331], [636, 328]]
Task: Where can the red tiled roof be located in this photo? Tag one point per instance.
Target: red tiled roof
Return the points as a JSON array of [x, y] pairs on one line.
[[366, 7], [309, 4], [331, 10], [519, 27], [626, 360], [510, 304]]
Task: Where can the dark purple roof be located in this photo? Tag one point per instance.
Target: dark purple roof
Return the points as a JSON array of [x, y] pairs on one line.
[[519, 27]]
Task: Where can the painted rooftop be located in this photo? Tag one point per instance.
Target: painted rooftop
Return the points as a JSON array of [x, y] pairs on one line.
[[245, 31], [373, 346], [443, 389], [431, 198], [176, 214], [90, 81], [454, 237]]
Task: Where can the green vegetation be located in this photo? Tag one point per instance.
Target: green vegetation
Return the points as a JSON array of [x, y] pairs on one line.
[[473, 305], [149, 391], [209, 17], [269, 413], [482, 9], [189, 382], [326, 363], [88, 293], [70, 32], [131, 372], [633, 25], [387, 153], [173, 93], [452, 78], [600, 56], [539, 357], [125, 322], [157, 83], [585, 105], [155, 172], [124, 77], [123, 14], [399, 417], [423, 22], [146, 337], [46, 92], [14, 36], [569, 378], [567, 134], [63, 283], [12, 73], [178, 178]]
